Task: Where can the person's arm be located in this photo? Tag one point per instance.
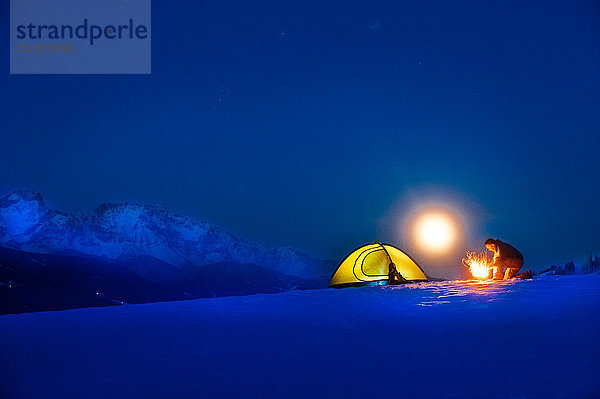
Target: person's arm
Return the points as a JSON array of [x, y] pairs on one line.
[[496, 255]]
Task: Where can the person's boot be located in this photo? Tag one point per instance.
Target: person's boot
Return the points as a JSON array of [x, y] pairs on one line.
[[525, 275]]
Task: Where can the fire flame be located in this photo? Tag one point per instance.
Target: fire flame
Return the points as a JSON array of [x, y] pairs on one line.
[[477, 264]]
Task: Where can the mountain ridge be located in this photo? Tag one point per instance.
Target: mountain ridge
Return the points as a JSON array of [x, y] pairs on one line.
[[123, 230]]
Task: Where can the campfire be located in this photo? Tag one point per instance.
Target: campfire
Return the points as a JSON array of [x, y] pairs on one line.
[[477, 264]]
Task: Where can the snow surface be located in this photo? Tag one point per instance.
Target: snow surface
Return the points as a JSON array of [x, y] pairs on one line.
[[511, 339]]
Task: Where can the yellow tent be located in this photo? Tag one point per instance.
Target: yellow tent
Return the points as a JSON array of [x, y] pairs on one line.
[[371, 263]]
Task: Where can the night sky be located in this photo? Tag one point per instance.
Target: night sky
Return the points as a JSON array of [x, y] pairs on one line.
[[318, 124]]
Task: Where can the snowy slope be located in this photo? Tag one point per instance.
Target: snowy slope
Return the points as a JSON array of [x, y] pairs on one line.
[[510, 339], [118, 231], [37, 282]]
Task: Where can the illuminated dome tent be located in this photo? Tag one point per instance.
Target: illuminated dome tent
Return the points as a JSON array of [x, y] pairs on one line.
[[371, 263]]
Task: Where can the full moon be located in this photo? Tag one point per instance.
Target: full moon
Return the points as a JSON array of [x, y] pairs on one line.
[[435, 231]]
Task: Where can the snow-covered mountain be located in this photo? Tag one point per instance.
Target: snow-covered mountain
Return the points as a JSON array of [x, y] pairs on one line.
[[133, 231]]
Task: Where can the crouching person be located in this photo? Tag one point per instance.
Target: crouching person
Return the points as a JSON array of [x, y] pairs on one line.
[[394, 277], [505, 257]]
